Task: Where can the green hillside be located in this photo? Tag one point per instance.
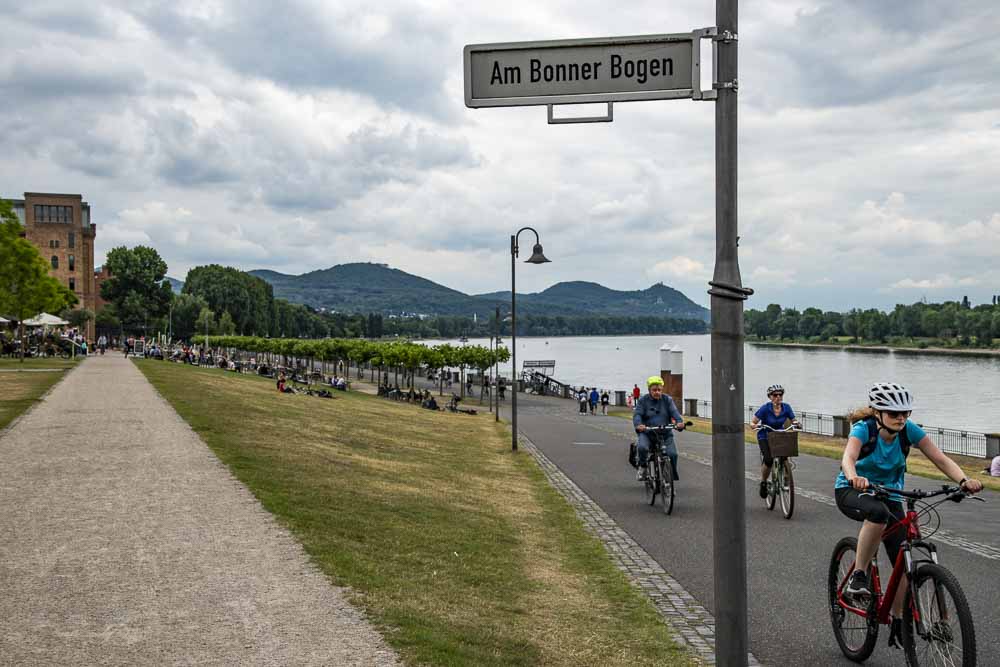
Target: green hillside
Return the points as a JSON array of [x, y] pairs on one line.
[[366, 287]]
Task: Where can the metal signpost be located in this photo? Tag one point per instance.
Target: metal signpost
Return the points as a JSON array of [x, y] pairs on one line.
[[661, 67]]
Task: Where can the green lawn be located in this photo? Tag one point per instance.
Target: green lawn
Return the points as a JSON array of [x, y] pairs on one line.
[[457, 549], [20, 390]]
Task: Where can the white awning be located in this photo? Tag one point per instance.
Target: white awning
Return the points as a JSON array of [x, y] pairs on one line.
[[45, 320]]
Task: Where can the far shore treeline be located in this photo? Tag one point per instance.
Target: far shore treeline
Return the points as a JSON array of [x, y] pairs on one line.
[[219, 300], [948, 324]]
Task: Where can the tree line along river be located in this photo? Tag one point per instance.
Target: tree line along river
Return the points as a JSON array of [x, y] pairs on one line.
[[952, 391]]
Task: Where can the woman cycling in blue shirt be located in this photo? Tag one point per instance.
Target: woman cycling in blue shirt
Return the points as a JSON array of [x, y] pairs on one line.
[[773, 414], [876, 453]]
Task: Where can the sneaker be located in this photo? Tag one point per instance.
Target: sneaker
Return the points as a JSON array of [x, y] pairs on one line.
[[896, 633], [640, 474], [763, 490], [857, 587]]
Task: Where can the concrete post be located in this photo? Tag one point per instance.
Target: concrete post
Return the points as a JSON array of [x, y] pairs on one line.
[[841, 426], [691, 407], [992, 445]]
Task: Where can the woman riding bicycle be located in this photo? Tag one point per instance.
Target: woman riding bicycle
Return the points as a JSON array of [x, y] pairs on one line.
[[655, 409], [876, 452], [773, 414]]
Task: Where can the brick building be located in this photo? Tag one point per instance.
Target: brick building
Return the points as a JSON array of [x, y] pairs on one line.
[[60, 227]]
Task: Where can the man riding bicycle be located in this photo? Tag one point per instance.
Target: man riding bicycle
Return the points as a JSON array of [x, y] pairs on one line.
[[656, 409]]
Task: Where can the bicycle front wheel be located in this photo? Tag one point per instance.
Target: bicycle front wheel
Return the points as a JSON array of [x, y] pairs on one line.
[[945, 634], [651, 481], [772, 488], [855, 635], [666, 485], [786, 488]]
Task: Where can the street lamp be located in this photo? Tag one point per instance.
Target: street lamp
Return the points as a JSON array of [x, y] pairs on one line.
[[536, 258]]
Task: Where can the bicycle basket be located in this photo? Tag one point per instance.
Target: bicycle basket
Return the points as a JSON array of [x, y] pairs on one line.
[[783, 444]]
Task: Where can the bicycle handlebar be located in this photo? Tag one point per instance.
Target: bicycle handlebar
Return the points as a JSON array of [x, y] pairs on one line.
[[955, 493], [667, 427], [793, 427]]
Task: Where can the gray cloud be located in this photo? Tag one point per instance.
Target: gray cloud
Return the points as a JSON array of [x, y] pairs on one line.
[[333, 132], [304, 46]]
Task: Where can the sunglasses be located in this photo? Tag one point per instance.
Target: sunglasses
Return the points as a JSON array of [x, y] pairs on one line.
[[893, 414], [778, 393]]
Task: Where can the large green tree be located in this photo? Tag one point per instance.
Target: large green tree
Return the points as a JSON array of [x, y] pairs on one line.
[[137, 288], [26, 288]]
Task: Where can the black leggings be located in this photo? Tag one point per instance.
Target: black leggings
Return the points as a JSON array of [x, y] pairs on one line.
[[855, 505]]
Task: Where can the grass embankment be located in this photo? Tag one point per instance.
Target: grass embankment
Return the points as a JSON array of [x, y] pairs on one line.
[[833, 448], [20, 390], [457, 549]]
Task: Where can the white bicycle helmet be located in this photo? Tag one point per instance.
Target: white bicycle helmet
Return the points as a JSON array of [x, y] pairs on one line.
[[775, 387], [890, 396]]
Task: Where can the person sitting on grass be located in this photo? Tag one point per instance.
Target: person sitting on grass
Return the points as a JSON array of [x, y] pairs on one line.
[[281, 381]]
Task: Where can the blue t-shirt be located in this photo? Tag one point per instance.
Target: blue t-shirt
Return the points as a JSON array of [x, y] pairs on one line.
[[886, 465], [766, 415]]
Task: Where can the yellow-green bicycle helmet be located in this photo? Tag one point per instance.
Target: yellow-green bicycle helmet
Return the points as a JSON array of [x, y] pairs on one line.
[[654, 379]]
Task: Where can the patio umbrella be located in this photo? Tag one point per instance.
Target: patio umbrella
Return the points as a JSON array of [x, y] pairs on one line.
[[45, 320]]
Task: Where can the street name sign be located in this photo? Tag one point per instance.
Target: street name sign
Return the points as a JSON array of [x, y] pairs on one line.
[[581, 71]]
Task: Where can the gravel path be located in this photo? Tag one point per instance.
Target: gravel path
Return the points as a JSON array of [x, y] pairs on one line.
[[125, 541]]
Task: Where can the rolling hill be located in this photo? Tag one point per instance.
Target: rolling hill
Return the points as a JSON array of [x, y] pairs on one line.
[[366, 287]]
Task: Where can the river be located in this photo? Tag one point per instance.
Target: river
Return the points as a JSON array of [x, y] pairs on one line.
[[951, 391]]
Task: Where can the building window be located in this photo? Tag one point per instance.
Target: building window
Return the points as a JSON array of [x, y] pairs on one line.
[[55, 262], [72, 263], [72, 239], [72, 284], [59, 214]]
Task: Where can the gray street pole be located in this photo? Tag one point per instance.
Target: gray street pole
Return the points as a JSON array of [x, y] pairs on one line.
[[728, 294], [537, 257], [496, 368], [513, 349]]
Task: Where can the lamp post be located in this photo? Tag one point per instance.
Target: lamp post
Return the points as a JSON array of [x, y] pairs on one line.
[[537, 257], [496, 370]]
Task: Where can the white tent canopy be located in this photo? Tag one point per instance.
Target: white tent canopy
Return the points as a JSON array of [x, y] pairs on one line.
[[45, 320], [4, 321]]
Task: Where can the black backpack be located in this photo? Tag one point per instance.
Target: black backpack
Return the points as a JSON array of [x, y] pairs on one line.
[[869, 446]]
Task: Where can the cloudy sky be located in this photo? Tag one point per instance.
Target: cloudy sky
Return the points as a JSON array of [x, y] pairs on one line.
[[301, 134]]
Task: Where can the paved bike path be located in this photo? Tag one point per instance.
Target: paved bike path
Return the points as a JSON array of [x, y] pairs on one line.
[[126, 542], [787, 560]]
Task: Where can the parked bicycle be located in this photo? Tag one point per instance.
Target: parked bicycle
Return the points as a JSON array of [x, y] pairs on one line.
[[784, 444], [937, 626], [660, 474]]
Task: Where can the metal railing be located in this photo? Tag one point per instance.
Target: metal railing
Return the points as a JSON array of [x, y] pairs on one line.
[[953, 441]]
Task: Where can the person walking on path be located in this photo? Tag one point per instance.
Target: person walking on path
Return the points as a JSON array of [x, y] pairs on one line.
[[594, 399], [127, 542], [605, 400], [636, 393], [581, 397]]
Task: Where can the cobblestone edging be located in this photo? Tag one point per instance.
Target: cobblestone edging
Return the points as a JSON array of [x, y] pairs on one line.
[[693, 625], [944, 536]]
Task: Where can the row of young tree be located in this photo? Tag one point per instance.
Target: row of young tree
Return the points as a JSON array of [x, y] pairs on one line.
[[378, 356], [951, 323]]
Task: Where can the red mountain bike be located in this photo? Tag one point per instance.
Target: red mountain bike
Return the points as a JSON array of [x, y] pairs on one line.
[[937, 627]]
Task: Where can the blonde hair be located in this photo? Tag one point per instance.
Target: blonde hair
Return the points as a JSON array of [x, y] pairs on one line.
[[860, 413]]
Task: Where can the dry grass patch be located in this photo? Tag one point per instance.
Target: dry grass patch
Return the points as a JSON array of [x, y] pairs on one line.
[[20, 390], [457, 548]]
